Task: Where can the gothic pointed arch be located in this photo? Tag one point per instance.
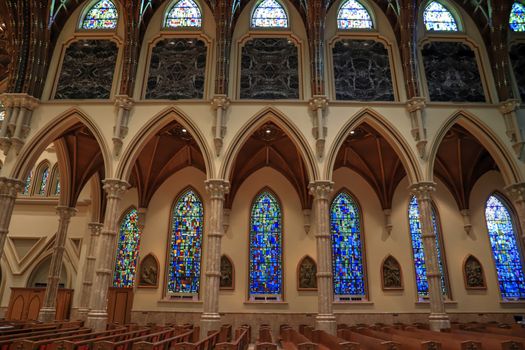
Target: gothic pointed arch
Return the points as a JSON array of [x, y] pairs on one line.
[[269, 14], [99, 15], [128, 246], [183, 14], [352, 14], [307, 274], [227, 281], [42, 177], [437, 16], [473, 274], [391, 274], [54, 188]]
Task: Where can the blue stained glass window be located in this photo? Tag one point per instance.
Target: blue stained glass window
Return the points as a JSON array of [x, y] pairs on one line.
[[269, 14], [347, 247], [43, 181], [266, 277], [505, 249], [27, 185], [517, 17], [127, 250], [185, 13], [353, 15], [102, 15], [419, 254], [186, 244], [438, 18]]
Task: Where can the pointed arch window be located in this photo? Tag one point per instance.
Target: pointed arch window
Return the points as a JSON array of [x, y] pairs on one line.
[[2, 112], [505, 249], [185, 247], [353, 15], [438, 18], [517, 17], [266, 269], [184, 13], [127, 250], [57, 184], [27, 184], [269, 14], [347, 248], [43, 180], [102, 14], [419, 254]]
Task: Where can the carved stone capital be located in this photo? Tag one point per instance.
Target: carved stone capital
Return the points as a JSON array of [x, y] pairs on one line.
[[217, 188], [509, 106], [415, 104], [10, 187], [516, 191], [318, 102], [124, 102], [321, 189], [115, 188], [19, 100], [95, 228], [220, 101], [141, 213], [423, 190], [65, 212]]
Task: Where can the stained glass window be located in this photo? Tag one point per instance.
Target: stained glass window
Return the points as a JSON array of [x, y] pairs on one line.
[[517, 17], [419, 254], [43, 181], [353, 15], [57, 184], [438, 18], [266, 277], [505, 249], [2, 112], [27, 185], [347, 247], [185, 13], [269, 14], [186, 244], [102, 15], [127, 250]]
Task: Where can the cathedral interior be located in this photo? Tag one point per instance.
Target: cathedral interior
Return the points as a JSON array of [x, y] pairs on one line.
[[314, 172]]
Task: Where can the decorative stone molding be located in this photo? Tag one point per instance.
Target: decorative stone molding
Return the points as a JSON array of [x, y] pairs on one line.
[[321, 189], [388, 220], [307, 213], [115, 188], [217, 188], [415, 107], [508, 109], [226, 220], [124, 104], [220, 103], [466, 221], [95, 228], [65, 213], [516, 191], [17, 122], [319, 104], [10, 187], [423, 190]]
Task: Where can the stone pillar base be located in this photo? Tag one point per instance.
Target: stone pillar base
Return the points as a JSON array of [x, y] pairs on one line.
[[438, 322], [47, 314], [209, 322], [97, 320], [326, 323], [82, 314]]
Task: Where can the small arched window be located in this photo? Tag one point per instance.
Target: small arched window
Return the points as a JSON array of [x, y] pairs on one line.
[[185, 247], [353, 15], [102, 14], [505, 249], [347, 248], [184, 13], [438, 18], [2, 112], [266, 256], [269, 14], [127, 250], [418, 250], [43, 180], [27, 184], [517, 17]]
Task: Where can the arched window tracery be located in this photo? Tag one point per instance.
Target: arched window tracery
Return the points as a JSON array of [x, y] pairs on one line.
[[353, 15], [184, 13], [103, 14], [438, 18], [127, 250], [185, 246], [27, 184], [418, 251], [517, 17], [505, 248], [266, 277], [43, 178], [347, 248], [269, 14]]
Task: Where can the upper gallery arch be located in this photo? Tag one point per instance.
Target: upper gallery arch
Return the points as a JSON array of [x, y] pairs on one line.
[[439, 16], [183, 14], [99, 15], [353, 14], [269, 14]]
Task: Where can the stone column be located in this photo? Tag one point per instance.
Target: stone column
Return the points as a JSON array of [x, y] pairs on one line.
[[438, 319], [210, 319], [48, 310], [8, 190], [89, 269], [517, 193], [325, 319], [97, 316]]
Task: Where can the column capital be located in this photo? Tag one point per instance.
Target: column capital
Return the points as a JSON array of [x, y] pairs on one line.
[[115, 188], [415, 104], [318, 102], [10, 187], [65, 212], [220, 101], [516, 191], [95, 228], [124, 102], [19, 100], [423, 190], [321, 189], [217, 188], [509, 106]]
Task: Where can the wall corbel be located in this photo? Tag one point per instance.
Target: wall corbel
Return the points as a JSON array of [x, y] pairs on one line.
[[318, 104], [17, 122], [416, 107], [124, 104], [508, 110], [220, 104]]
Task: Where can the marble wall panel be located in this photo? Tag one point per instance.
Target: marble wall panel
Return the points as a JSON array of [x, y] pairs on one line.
[[517, 59]]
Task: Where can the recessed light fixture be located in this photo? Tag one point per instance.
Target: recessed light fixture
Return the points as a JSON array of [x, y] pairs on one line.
[[184, 130], [352, 132], [268, 131]]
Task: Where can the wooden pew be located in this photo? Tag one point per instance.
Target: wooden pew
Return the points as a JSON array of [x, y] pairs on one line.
[[293, 340], [447, 342], [84, 344], [6, 343], [181, 336], [126, 344], [266, 340], [407, 343], [241, 341], [367, 342], [207, 343], [503, 329], [330, 342], [225, 334], [492, 341]]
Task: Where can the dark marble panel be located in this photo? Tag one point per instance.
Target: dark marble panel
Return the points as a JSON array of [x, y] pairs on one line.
[[362, 71], [177, 69], [517, 58], [270, 69], [452, 72], [87, 70]]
